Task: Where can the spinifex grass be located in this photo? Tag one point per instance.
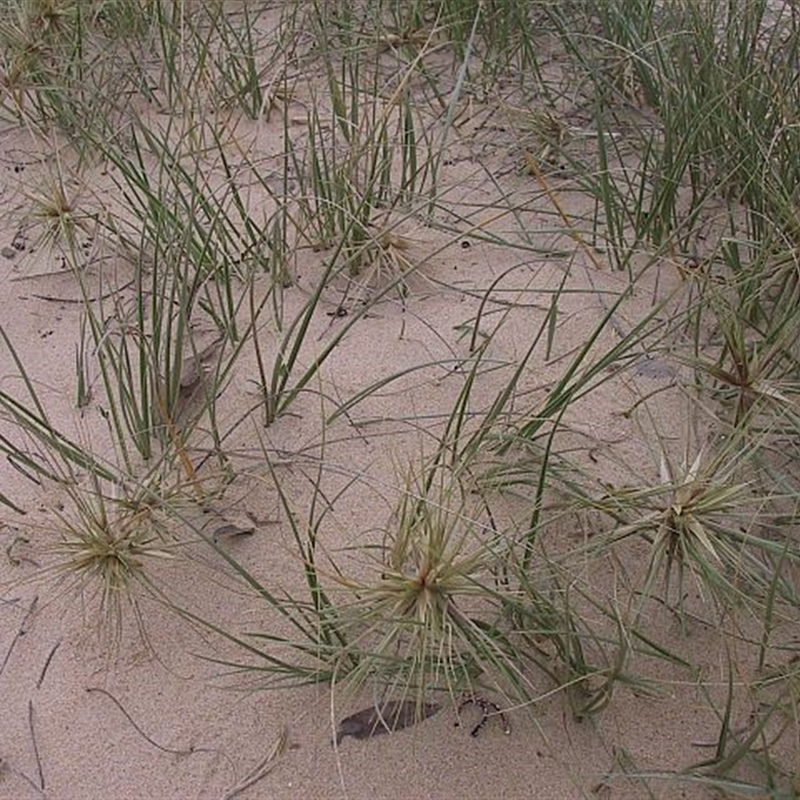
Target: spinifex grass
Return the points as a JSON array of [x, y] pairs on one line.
[[691, 111], [28, 415], [107, 551], [506, 32], [111, 529], [57, 211], [282, 382], [144, 358], [242, 60], [757, 372], [34, 33], [429, 612], [717, 79], [61, 66], [705, 521], [454, 609], [430, 617]]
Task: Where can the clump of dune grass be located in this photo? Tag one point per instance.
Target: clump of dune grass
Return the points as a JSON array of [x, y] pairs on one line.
[[673, 124]]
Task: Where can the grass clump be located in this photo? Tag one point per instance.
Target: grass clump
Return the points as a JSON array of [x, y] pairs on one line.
[[263, 173], [706, 521], [430, 620], [107, 553]]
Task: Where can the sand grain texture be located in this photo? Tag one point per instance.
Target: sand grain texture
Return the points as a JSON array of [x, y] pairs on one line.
[[160, 708]]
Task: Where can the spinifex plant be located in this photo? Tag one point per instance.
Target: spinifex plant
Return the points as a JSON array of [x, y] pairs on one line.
[[108, 548], [715, 80], [428, 610], [428, 619], [757, 372], [112, 529], [453, 608], [704, 521], [188, 245], [60, 63], [678, 125], [33, 33], [242, 66]]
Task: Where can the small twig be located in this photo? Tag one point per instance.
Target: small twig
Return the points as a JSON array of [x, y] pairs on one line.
[[130, 719], [488, 709], [47, 664], [5, 767], [35, 745], [55, 299], [553, 198], [15, 560], [575, 235], [23, 629], [190, 751]]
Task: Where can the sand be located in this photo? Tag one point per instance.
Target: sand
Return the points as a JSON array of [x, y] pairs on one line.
[[158, 717]]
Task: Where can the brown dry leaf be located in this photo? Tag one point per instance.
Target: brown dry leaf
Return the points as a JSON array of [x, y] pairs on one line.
[[394, 715]]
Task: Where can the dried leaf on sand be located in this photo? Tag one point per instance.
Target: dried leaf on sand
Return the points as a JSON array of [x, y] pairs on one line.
[[393, 715]]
